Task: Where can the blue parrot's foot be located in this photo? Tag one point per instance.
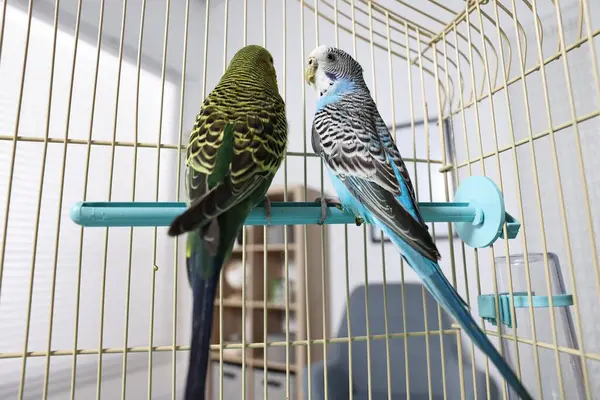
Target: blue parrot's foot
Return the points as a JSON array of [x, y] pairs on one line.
[[267, 205], [325, 202], [359, 221]]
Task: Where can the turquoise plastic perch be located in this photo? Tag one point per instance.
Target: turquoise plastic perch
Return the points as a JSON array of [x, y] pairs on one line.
[[477, 213]]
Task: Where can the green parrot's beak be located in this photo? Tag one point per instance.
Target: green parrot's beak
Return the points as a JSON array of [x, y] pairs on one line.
[[311, 71]]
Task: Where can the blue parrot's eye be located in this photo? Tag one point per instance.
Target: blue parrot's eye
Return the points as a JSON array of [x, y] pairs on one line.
[[330, 57]]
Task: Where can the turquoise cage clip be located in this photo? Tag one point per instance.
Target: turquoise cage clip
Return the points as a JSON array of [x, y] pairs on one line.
[[487, 306]]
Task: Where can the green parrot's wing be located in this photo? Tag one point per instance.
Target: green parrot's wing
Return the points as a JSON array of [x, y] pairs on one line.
[[228, 158]]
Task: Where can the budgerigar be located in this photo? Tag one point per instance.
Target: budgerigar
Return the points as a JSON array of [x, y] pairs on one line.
[[235, 149], [372, 182]]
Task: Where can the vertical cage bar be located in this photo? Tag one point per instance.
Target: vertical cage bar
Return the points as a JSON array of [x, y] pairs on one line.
[[60, 201], [221, 310], [155, 238], [483, 169], [368, 330], [335, 24], [15, 132], [383, 265], [464, 254], [324, 241], [178, 196], [348, 316], [9, 192], [133, 192], [110, 192], [426, 133], [85, 188], [37, 219], [428, 162], [366, 263], [444, 145], [265, 254], [245, 22], [346, 249], [353, 31], [304, 232], [506, 243], [590, 39], [130, 255], [245, 289], [2, 25], [285, 231], [412, 128], [204, 77], [244, 297], [353, 21], [244, 262], [450, 233]]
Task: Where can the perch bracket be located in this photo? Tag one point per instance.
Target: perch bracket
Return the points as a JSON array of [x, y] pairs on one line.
[[487, 305]]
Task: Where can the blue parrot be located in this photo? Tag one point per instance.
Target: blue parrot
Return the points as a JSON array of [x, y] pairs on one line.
[[372, 181]]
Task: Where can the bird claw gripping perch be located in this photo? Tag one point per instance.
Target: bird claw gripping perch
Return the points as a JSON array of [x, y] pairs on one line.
[[325, 202], [267, 205]]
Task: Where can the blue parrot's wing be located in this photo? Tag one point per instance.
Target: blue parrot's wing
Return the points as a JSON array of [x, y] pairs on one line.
[[396, 159], [348, 139], [390, 210]]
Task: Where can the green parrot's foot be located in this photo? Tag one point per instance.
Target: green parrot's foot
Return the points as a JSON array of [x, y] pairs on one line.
[[325, 202], [267, 205], [359, 221]]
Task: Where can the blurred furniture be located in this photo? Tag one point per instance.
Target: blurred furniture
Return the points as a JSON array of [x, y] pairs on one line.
[[338, 356], [264, 298]]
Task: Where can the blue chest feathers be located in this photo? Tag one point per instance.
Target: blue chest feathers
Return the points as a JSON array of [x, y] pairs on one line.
[[335, 92]]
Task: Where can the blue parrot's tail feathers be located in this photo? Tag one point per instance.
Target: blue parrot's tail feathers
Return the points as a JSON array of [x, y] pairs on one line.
[[445, 294], [204, 290]]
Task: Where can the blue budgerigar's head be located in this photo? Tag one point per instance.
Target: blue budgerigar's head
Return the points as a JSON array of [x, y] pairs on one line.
[[328, 67]]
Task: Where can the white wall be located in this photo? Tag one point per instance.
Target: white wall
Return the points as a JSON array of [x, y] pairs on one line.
[[23, 212], [25, 190]]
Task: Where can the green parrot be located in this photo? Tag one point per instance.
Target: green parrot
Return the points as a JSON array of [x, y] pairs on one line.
[[235, 149]]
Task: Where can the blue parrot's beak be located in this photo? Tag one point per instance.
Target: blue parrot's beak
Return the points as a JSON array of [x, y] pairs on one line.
[[311, 70]]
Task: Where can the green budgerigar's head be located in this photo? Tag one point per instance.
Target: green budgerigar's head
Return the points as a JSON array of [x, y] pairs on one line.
[[254, 60]]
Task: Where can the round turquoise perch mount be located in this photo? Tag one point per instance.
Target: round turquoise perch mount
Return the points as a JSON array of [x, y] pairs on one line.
[[482, 194]]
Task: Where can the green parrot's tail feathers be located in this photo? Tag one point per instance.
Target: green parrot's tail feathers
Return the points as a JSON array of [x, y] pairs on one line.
[[204, 289]]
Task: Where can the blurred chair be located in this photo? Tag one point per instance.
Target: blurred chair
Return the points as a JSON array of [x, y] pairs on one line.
[[338, 355]]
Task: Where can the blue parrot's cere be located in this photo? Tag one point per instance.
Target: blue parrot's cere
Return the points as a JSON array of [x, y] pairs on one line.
[[372, 181]]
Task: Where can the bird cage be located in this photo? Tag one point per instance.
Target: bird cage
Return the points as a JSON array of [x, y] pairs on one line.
[[97, 100]]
